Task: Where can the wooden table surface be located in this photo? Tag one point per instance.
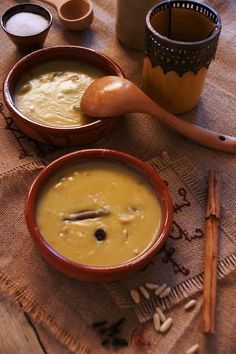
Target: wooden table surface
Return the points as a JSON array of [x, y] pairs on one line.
[[20, 335]]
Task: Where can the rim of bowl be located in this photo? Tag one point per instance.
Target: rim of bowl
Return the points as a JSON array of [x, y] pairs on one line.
[[22, 8], [29, 57], [86, 15], [113, 156], [151, 13]]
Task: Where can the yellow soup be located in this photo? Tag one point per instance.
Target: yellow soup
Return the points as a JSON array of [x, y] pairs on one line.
[[50, 93], [98, 213]]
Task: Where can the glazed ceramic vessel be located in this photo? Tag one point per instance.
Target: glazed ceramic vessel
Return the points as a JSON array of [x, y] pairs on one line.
[[27, 43], [59, 136], [99, 273]]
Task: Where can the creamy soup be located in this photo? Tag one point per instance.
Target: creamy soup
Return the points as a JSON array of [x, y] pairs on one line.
[[98, 214], [50, 93]]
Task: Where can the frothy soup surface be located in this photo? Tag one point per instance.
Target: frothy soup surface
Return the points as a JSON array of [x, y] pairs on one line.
[[98, 213], [50, 93]]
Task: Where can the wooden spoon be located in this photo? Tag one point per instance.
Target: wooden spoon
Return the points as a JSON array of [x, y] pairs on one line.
[[112, 96], [76, 15]]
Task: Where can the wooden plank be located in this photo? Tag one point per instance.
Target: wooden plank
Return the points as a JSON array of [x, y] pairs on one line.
[[20, 335]]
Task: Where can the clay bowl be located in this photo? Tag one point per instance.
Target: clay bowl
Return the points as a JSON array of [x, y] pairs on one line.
[[59, 136], [29, 42], [98, 273]]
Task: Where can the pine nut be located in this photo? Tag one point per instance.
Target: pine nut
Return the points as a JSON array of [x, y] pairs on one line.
[[151, 286], [161, 314], [144, 292], [160, 289], [166, 325], [156, 322], [165, 293], [135, 296], [193, 349], [190, 305]]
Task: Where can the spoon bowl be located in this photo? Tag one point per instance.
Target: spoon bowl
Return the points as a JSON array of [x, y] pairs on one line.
[[75, 15], [112, 96]]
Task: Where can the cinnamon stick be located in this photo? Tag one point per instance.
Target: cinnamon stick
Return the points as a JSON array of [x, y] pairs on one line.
[[87, 214], [210, 252]]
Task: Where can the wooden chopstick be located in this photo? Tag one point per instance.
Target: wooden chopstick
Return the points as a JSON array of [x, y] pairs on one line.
[[210, 252]]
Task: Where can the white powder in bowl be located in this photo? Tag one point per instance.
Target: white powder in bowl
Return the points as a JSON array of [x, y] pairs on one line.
[[26, 24]]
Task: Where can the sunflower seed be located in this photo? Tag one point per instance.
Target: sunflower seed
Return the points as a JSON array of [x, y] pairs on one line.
[[161, 314], [156, 322], [135, 296], [160, 289], [193, 349], [144, 292], [151, 286], [166, 325], [165, 293], [190, 305]]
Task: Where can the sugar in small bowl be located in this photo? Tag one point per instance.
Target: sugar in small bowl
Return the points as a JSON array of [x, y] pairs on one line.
[[27, 25]]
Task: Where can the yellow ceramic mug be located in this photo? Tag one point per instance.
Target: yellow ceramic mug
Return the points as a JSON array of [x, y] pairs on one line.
[[181, 40]]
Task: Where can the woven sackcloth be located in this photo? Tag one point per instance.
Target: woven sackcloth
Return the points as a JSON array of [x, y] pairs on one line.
[[69, 308]]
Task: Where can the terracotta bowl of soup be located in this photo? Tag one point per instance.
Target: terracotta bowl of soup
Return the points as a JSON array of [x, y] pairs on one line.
[[42, 92], [98, 215]]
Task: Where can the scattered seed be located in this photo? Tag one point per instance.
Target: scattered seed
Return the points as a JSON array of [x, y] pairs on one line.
[[160, 289], [25, 88], [193, 349], [166, 325], [161, 314], [151, 286], [157, 322], [76, 107], [125, 218], [135, 296], [60, 73], [165, 293], [125, 234], [144, 292], [190, 305]]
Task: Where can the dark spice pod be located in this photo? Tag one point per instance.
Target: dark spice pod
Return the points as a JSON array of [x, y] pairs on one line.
[[119, 342], [118, 323], [99, 324], [105, 341]]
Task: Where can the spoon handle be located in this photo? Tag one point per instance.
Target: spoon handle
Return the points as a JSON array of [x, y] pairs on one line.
[[198, 134]]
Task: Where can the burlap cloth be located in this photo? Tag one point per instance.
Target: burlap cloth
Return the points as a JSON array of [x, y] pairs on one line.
[[68, 308]]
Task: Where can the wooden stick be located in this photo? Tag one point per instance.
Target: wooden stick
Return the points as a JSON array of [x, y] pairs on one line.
[[210, 254]]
